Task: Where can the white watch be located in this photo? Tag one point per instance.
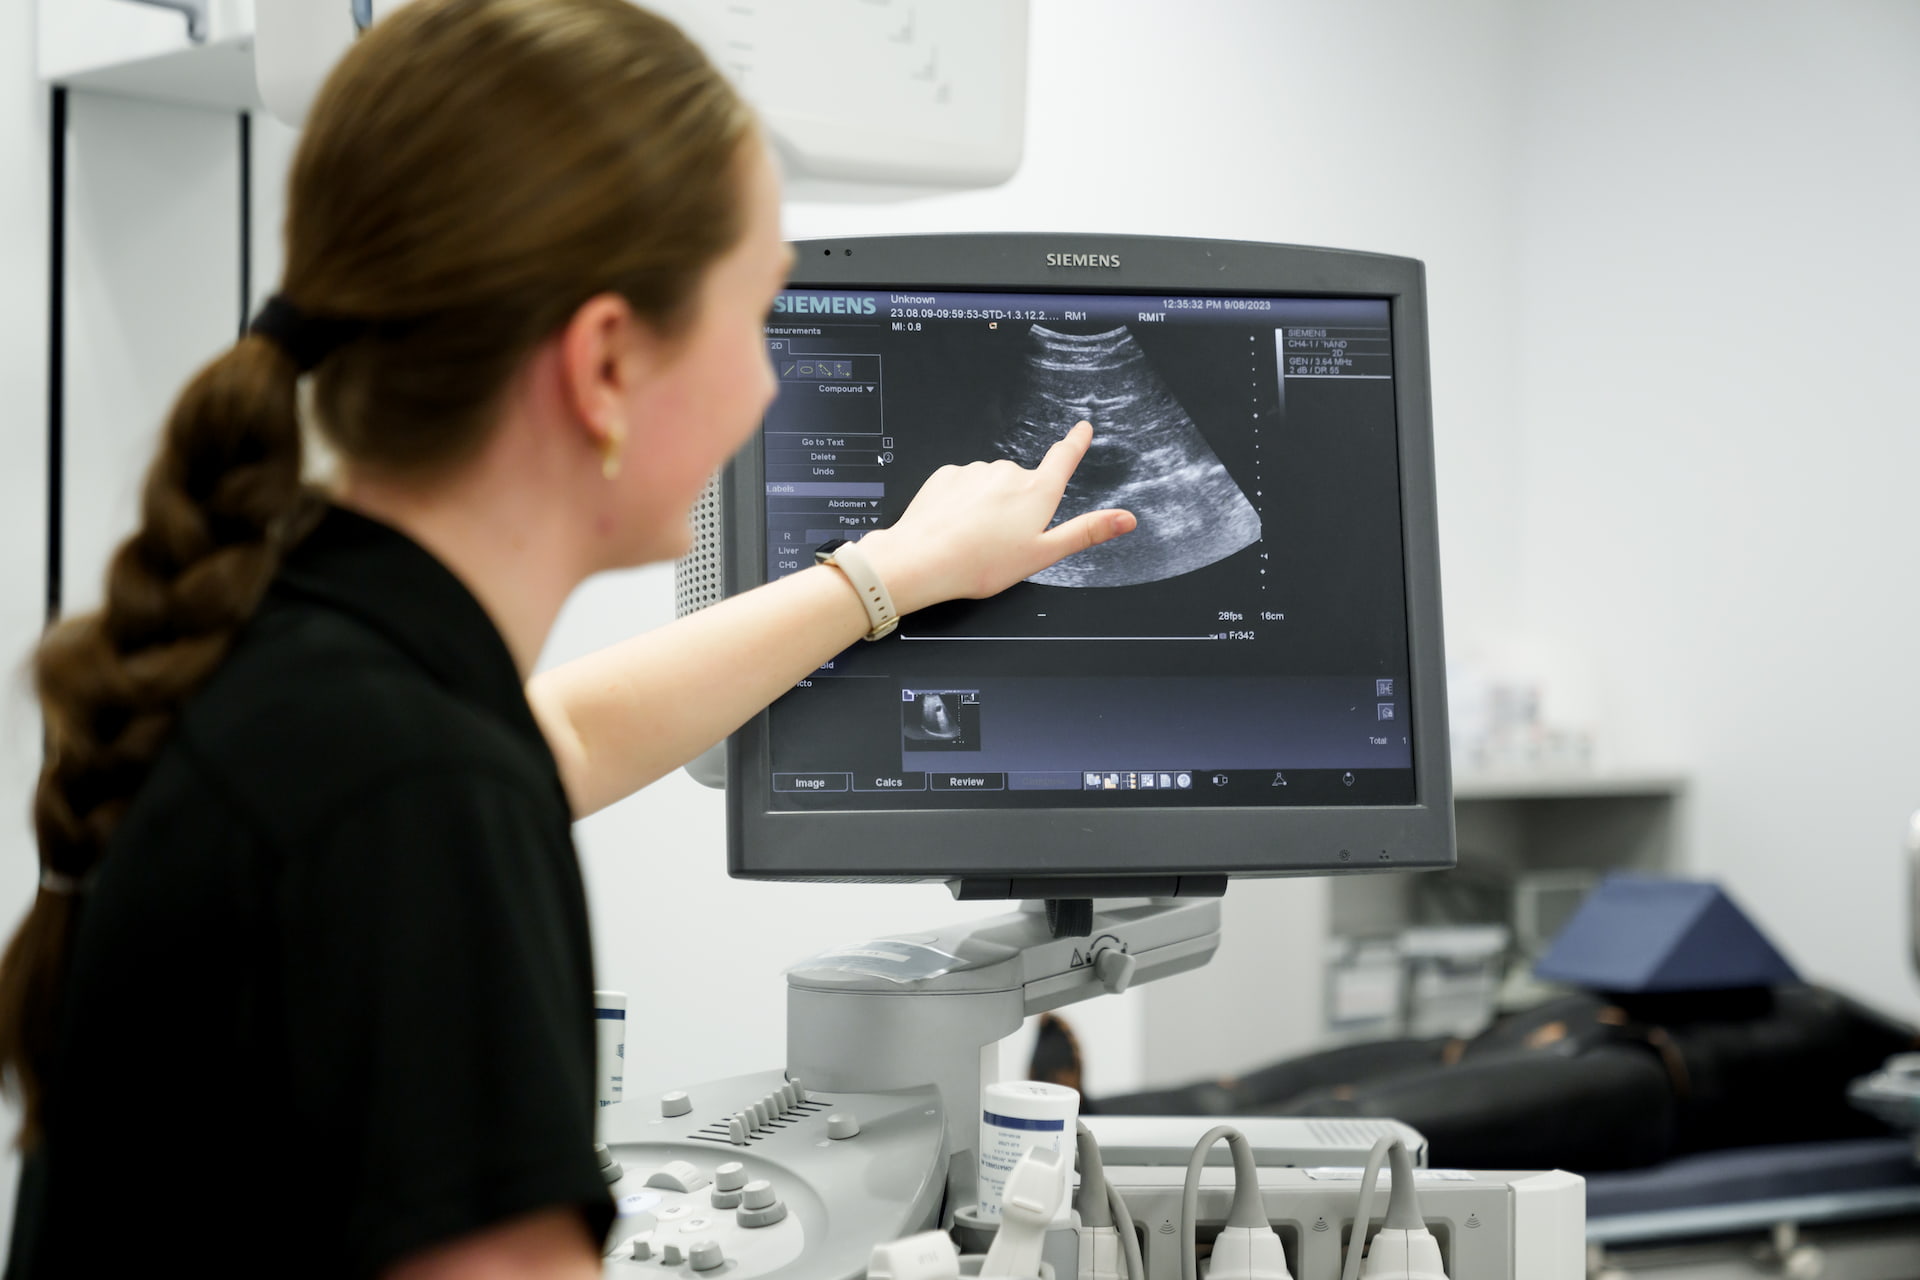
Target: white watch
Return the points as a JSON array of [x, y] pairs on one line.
[[851, 561]]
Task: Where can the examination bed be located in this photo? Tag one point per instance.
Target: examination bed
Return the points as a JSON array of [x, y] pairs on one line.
[[1844, 1210]]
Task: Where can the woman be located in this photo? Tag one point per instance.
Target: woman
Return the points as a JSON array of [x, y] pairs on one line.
[[308, 876]]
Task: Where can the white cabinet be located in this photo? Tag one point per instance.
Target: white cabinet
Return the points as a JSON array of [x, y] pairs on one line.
[[1512, 827], [140, 50], [152, 293], [1530, 847]]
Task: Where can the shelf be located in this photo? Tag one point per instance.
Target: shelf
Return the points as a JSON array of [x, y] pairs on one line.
[[218, 75], [1526, 840], [1566, 786]]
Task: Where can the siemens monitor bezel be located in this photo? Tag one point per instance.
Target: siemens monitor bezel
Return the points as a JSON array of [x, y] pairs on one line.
[[1156, 844]]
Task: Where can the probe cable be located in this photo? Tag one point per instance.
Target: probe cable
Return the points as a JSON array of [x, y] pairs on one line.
[[1403, 1204], [1247, 1210], [1100, 1203]]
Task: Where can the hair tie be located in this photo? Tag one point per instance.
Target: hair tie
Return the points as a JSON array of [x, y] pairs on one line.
[[306, 338], [61, 883]]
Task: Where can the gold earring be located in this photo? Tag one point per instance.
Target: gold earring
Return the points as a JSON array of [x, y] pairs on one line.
[[610, 446]]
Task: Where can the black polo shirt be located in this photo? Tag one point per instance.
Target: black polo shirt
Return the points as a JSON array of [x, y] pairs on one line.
[[330, 997]]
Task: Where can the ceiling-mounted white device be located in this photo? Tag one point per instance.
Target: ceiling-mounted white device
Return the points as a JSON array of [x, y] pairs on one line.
[[900, 92], [195, 10], [928, 92], [297, 42]]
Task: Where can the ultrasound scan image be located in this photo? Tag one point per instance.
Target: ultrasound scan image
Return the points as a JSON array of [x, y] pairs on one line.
[[1147, 457], [935, 718], [940, 722]]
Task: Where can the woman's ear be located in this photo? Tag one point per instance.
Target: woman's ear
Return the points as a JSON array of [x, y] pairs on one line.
[[605, 352]]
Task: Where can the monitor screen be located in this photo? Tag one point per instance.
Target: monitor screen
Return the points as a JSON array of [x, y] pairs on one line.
[[1247, 650]]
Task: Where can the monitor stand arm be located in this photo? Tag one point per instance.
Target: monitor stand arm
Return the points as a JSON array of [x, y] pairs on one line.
[[853, 1026]]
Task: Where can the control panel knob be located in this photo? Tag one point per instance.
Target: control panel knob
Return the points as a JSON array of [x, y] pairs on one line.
[[674, 1104], [671, 1255], [737, 1131], [643, 1246], [775, 1212], [760, 1116], [1114, 968], [705, 1255], [677, 1175], [841, 1125], [799, 1090], [730, 1176], [758, 1194], [787, 1099], [725, 1199], [775, 1105]]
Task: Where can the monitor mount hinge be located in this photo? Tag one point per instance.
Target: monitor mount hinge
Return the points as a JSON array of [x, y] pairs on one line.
[[1068, 897], [1070, 917]]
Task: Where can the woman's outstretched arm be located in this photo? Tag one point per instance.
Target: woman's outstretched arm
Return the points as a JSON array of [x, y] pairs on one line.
[[629, 714]]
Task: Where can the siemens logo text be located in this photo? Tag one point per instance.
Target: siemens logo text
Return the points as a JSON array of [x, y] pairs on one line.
[[835, 306], [1083, 259]]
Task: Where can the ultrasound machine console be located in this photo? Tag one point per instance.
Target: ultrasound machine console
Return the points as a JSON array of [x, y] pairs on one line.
[[1251, 684]]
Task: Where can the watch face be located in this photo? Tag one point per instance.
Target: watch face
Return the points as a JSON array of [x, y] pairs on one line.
[[828, 547]]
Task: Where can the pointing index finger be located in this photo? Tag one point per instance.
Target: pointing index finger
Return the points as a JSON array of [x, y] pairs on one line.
[[1066, 453]]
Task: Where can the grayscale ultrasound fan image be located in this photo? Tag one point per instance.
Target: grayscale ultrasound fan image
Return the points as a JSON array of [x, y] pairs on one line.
[[1147, 456], [936, 718], [940, 721]]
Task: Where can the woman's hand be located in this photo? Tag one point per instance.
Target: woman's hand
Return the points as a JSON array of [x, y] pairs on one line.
[[976, 530]]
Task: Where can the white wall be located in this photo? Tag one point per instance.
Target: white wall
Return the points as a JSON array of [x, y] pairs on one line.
[[1720, 262], [23, 469], [1391, 127]]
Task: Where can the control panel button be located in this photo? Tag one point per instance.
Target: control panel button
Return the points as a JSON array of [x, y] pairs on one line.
[[694, 1226], [759, 1194], [788, 1099], [737, 1131], [775, 1212], [730, 1176], [674, 1104], [643, 1246], [889, 782], [671, 1255], [811, 781], [669, 1213], [841, 1125], [705, 1255], [760, 1116], [677, 1175], [967, 781]]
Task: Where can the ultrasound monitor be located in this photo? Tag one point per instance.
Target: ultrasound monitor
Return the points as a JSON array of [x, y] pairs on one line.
[[1250, 684]]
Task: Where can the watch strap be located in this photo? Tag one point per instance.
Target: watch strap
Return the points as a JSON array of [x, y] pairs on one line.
[[850, 560]]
